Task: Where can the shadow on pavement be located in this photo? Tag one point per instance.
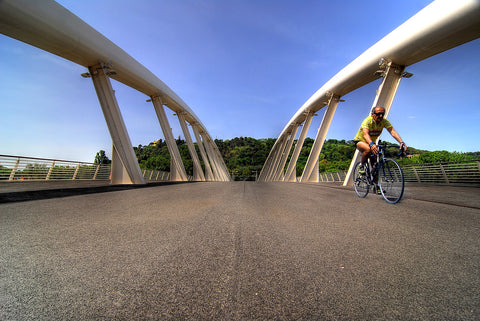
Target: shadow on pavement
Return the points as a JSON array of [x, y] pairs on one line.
[[48, 193]]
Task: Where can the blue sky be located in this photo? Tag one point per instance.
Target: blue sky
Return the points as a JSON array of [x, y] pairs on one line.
[[244, 66]]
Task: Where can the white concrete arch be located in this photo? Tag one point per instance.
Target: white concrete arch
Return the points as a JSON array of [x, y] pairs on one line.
[[49, 26], [440, 26]]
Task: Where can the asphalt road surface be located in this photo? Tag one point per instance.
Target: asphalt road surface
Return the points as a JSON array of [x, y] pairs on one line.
[[240, 251]]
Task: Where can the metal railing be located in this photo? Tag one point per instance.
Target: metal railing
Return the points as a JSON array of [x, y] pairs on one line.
[[15, 168], [454, 173], [465, 172]]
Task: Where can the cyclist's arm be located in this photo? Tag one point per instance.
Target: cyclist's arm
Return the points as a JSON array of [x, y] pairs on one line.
[[395, 135]]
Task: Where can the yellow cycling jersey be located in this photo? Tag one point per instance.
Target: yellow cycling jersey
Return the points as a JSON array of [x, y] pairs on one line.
[[374, 129]]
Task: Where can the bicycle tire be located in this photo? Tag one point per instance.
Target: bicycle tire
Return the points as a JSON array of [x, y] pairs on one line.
[[360, 182], [391, 181]]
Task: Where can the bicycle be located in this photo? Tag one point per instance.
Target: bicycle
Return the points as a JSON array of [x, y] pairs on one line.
[[391, 183]]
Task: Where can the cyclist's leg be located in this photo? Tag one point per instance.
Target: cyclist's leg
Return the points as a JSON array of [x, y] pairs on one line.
[[365, 151]]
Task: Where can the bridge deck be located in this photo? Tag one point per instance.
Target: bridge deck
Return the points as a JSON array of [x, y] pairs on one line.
[[239, 251]]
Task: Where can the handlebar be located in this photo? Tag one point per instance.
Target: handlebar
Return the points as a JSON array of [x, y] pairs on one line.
[[401, 150]]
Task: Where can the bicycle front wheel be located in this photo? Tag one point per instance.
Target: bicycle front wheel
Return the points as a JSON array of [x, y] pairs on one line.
[[360, 182], [390, 180]]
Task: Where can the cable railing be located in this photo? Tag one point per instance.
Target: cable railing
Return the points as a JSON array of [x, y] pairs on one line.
[[21, 168], [464, 172], [454, 173]]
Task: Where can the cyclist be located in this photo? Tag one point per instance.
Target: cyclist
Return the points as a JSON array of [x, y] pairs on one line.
[[369, 131]]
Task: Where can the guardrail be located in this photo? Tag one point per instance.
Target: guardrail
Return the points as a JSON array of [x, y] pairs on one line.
[[454, 173], [15, 168]]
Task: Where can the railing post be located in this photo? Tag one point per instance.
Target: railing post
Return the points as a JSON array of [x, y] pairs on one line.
[[444, 173], [12, 173], [76, 172], [96, 172], [50, 171], [416, 174]]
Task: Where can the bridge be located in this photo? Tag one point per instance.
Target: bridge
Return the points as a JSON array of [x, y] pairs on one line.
[[214, 249], [237, 251], [440, 26]]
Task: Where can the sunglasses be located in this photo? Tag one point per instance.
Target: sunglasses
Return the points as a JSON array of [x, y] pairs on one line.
[[380, 114]]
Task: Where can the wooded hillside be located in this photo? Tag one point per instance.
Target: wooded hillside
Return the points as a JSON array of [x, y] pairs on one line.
[[245, 156]]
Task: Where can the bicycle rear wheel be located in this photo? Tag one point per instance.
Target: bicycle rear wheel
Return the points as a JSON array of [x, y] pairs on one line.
[[360, 182], [390, 180]]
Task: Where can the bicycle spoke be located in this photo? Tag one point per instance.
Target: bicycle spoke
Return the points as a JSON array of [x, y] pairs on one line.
[[360, 182], [391, 181]]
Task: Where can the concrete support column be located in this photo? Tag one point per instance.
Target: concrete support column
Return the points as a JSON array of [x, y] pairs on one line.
[[216, 162], [177, 170], [212, 158], [208, 170], [197, 168], [276, 169], [385, 94], [223, 168], [266, 166], [125, 169], [281, 168], [319, 140], [272, 160], [291, 174], [221, 163]]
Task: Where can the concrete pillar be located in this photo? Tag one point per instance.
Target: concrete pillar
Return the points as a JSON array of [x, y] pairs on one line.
[[221, 163], [319, 140], [291, 174], [277, 169], [197, 168], [125, 169], [274, 156], [267, 166], [215, 162], [281, 168], [177, 170], [208, 170], [385, 95]]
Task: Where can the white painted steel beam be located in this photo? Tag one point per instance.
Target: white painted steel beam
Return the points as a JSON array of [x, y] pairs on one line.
[[208, 170], [221, 163], [197, 168], [272, 162], [385, 94], [177, 169], [212, 158], [125, 169], [312, 161], [291, 174], [278, 157], [281, 170], [218, 170]]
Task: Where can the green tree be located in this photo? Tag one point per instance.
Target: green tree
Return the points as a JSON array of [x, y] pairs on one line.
[[101, 158]]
